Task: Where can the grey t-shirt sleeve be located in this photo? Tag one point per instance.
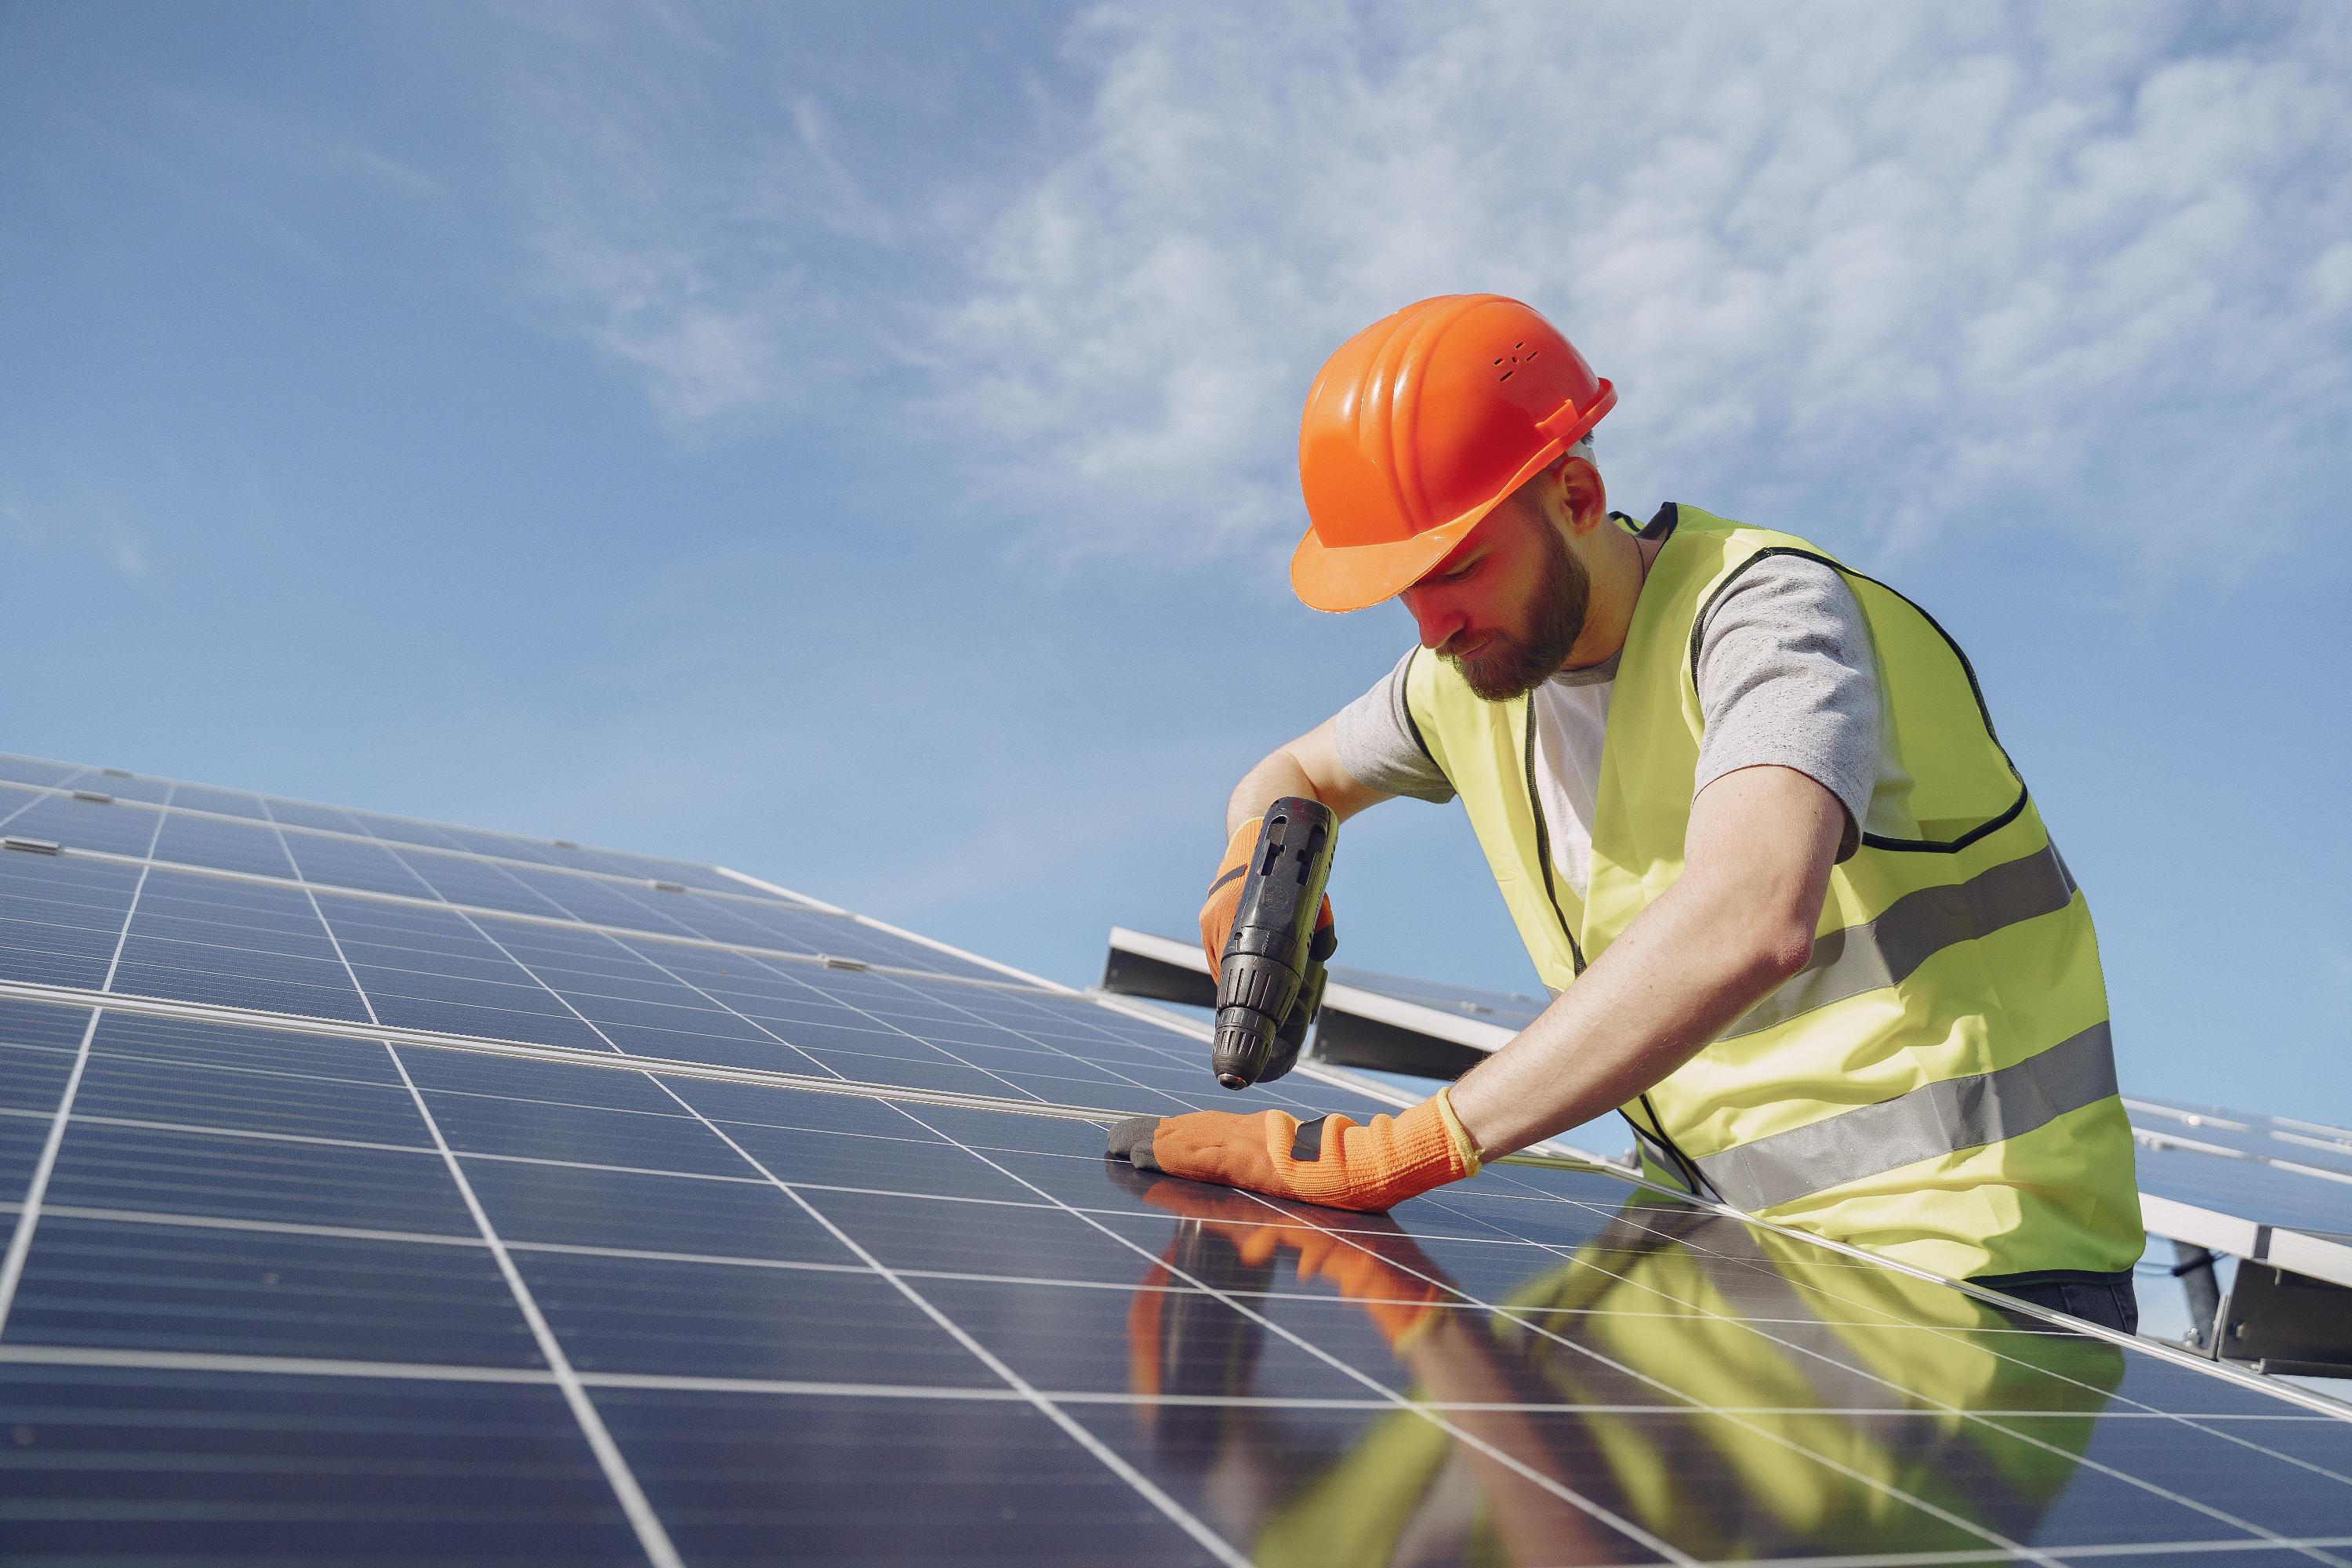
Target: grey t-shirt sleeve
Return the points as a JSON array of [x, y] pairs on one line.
[[1786, 676], [1375, 740]]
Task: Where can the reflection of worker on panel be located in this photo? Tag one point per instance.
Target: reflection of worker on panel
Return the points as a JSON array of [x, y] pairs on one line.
[[1804, 925], [1871, 1377]]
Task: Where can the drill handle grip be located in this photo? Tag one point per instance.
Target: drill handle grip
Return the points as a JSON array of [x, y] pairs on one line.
[[1275, 947]]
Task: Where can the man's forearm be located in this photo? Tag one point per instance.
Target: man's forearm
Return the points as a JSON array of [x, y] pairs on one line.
[[1738, 923], [1271, 780], [1671, 983]]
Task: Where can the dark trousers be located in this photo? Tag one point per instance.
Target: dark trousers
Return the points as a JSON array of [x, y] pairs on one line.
[[2106, 1300]]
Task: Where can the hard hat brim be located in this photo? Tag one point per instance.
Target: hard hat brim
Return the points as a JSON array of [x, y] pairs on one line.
[[1340, 578]]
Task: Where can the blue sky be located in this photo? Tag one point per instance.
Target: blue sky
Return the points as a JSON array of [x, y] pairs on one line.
[[853, 443]]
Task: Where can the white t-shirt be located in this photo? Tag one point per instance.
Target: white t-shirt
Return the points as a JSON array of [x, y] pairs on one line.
[[1571, 718]]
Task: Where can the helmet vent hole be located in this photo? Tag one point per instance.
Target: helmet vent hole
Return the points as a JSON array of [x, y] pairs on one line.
[[1505, 375]]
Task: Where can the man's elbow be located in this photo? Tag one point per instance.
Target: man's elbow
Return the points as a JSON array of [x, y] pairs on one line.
[[1783, 946]]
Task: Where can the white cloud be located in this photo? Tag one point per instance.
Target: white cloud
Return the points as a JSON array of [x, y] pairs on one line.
[[1918, 265], [1890, 270]]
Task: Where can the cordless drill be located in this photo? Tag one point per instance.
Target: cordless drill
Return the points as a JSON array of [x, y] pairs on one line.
[[1271, 976]]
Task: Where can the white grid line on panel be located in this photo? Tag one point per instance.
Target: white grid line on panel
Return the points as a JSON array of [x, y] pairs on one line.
[[20, 1240], [171, 1220], [167, 1220], [397, 847], [1044, 1045], [732, 1012], [186, 1066], [2165, 1551], [904, 1033], [1175, 1511], [522, 1050], [1568, 1494], [270, 817], [267, 1136], [562, 1000], [651, 1535], [443, 1372], [557, 921], [264, 1365]]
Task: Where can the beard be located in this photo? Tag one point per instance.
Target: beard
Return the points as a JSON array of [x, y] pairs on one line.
[[1503, 667]]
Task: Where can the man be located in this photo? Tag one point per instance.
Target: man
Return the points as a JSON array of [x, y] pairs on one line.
[[1803, 923]]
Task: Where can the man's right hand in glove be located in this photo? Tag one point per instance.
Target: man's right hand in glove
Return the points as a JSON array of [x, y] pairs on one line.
[[1226, 900]]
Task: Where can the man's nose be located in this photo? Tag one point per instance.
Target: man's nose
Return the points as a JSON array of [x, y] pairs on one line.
[[1436, 620]]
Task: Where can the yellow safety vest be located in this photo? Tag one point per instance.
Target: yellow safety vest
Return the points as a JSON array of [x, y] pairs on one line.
[[1938, 1083]]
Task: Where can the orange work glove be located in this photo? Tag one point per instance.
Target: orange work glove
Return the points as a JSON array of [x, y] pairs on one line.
[[1330, 1160], [1225, 901]]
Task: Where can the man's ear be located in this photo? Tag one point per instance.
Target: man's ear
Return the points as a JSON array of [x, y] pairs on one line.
[[1582, 495]]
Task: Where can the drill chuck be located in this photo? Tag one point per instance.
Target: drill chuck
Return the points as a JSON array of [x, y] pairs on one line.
[[1270, 978]]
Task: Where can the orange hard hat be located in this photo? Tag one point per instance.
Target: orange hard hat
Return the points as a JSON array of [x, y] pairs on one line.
[[1418, 427]]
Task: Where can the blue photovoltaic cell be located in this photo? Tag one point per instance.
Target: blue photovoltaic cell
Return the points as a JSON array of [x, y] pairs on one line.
[[62, 819], [97, 1282], [227, 803], [59, 917], [110, 1464], [255, 849], [244, 944], [370, 868], [840, 1327], [483, 884]]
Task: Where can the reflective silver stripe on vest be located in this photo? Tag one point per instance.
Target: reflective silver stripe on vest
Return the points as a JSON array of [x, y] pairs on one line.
[[1934, 1119], [1909, 931]]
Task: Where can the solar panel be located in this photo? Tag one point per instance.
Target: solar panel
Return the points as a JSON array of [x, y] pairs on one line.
[[1507, 1010], [2273, 1192], [349, 1222]]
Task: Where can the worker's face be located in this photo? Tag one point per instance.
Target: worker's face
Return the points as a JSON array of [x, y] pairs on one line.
[[1507, 605]]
